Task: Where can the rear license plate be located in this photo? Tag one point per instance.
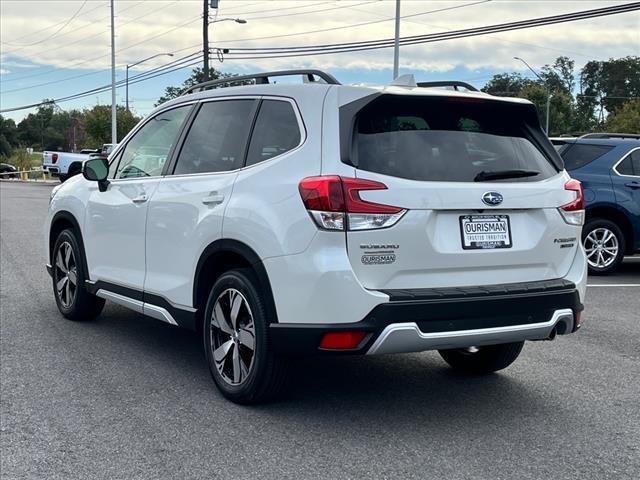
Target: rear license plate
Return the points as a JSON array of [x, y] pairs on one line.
[[485, 231]]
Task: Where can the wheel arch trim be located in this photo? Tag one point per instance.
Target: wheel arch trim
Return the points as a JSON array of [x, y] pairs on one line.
[[67, 216], [226, 245]]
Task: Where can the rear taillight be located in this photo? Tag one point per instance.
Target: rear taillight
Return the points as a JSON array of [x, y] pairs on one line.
[[334, 203], [342, 340], [573, 212], [54, 158]]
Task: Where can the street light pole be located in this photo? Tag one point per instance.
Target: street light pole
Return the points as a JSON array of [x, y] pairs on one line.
[[205, 37], [396, 46], [114, 123], [138, 63], [546, 84]]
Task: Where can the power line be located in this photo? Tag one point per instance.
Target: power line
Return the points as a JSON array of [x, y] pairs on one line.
[[104, 88], [84, 62], [279, 15], [57, 31], [419, 22], [311, 50], [353, 25], [65, 22], [192, 20], [278, 52], [59, 81]]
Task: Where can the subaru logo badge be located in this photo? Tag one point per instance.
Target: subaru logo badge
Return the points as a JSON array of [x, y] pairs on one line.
[[492, 199]]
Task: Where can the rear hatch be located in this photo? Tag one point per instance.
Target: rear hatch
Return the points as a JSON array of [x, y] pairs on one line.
[[480, 187]]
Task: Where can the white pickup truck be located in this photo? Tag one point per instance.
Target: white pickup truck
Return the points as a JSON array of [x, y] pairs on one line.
[[66, 164]]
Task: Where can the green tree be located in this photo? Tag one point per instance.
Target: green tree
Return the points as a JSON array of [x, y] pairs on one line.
[[8, 136], [197, 76], [606, 85], [97, 123], [626, 119], [31, 130], [506, 84]]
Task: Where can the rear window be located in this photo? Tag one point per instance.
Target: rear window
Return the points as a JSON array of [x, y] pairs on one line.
[[446, 140], [577, 155]]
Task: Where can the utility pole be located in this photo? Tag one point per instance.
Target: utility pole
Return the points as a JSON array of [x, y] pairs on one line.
[[114, 122], [396, 47], [205, 40]]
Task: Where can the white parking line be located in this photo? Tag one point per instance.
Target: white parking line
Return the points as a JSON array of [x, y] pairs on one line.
[[614, 285]]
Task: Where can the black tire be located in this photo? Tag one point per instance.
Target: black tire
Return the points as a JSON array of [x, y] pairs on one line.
[[264, 376], [75, 303], [482, 360], [592, 230], [62, 178], [74, 169]]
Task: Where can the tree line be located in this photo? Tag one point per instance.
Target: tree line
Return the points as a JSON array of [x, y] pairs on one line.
[[602, 96], [51, 128]]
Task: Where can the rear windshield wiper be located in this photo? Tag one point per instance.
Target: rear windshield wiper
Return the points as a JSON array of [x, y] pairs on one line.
[[487, 175]]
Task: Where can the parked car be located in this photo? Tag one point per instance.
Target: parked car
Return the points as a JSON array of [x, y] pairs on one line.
[[8, 171], [608, 165], [65, 164], [320, 218]]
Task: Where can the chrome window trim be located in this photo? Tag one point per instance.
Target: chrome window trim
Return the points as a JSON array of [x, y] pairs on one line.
[[615, 167], [301, 127]]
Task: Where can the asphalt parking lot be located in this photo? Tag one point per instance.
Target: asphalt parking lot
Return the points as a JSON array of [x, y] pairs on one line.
[[130, 397]]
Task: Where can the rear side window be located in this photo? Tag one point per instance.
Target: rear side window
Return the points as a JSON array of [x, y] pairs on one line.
[[630, 165], [276, 131], [217, 139], [578, 155], [434, 139]]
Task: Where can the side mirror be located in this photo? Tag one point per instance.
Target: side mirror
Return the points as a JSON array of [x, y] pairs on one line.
[[96, 170]]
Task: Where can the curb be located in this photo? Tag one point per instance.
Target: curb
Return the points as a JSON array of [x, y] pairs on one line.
[[47, 183]]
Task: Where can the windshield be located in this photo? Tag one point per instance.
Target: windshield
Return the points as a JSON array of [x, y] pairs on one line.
[[434, 139]]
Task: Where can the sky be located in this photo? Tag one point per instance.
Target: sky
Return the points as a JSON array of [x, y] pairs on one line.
[[51, 49]]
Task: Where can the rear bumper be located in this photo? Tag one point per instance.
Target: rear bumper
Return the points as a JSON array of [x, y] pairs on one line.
[[52, 170], [430, 319]]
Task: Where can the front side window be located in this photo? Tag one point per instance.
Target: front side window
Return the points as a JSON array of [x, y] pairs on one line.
[[453, 140], [276, 131], [217, 140], [147, 151]]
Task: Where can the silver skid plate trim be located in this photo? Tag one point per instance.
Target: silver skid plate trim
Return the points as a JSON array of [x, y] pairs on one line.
[[152, 311], [407, 337], [135, 305]]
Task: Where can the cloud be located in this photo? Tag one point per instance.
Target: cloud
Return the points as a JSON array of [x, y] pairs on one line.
[[85, 43], [4, 72]]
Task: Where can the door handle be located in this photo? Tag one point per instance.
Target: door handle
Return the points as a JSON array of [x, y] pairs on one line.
[[140, 199], [213, 198], [632, 185]]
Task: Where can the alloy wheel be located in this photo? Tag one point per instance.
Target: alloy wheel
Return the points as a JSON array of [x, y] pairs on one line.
[[602, 248], [66, 275], [233, 336]]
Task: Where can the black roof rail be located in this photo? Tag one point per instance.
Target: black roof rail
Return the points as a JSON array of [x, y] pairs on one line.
[[456, 84], [611, 135], [308, 76]]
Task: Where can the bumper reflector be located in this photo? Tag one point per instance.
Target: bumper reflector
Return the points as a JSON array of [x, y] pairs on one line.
[[341, 340], [577, 316]]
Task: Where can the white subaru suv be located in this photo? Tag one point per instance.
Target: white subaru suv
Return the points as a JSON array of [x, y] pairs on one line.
[[285, 219]]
